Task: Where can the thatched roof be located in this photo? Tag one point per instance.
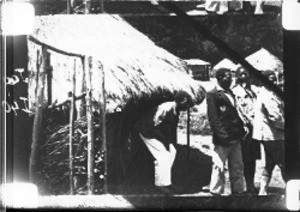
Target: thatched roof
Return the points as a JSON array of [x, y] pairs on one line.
[[195, 61], [134, 66], [264, 60]]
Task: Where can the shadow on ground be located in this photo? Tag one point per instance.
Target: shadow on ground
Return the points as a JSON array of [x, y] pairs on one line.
[[191, 170]]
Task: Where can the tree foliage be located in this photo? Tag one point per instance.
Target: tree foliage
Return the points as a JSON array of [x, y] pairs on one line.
[[244, 33]]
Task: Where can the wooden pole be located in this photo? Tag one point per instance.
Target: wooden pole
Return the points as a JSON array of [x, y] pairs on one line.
[[71, 131], [37, 122], [49, 79], [188, 133], [103, 123], [55, 105], [69, 6], [36, 41], [81, 108], [38, 65], [87, 6], [90, 129], [101, 6]]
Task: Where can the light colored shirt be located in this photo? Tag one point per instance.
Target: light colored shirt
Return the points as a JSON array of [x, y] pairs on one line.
[[245, 99]]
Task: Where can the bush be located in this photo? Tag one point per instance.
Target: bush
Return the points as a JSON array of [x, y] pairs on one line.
[[199, 124], [54, 159]]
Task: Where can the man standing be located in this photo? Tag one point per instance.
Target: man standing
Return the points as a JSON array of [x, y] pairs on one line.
[[268, 127], [158, 130], [245, 98], [228, 130]]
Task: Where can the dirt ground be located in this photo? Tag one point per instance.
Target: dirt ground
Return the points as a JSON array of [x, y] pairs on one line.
[[200, 155], [191, 172]]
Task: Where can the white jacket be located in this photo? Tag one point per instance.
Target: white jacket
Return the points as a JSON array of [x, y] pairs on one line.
[[268, 123]]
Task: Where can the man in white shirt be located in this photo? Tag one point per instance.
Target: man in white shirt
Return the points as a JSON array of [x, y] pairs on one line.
[[158, 130]]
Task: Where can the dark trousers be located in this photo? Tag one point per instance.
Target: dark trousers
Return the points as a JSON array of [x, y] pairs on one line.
[[250, 152], [274, 151]]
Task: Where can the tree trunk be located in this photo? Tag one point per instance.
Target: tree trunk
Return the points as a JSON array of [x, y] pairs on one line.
[[37, 123]]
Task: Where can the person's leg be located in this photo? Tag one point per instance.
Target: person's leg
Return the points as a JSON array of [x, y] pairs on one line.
[[249, 164], [268, 169], [236, 169], [250, 176], [278, 155], [255, 153], [164, 160], [217, 181], [249, 172]]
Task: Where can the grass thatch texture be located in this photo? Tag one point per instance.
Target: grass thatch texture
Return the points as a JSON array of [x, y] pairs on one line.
[[54, 169], [134, 66]]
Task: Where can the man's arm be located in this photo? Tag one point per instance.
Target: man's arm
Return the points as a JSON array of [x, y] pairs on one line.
[[147, 126]]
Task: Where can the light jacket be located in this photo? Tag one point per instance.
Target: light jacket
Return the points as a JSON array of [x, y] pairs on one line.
[[268, 123]]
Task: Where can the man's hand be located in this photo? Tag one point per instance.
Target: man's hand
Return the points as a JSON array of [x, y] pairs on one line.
[[247, 131]]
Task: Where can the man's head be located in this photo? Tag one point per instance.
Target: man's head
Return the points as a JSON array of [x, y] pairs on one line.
[[183, 100], [242, 75], [224, 78], [271, 76]]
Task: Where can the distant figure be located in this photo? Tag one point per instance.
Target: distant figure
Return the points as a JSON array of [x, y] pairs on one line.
[[228, 131], [158, 130], [245, 99], [281, 80], [268, 127]]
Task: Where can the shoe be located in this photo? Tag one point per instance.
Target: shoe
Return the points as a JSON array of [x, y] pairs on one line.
[[215, 194], [252, 190], [262, 193], [205, 188]]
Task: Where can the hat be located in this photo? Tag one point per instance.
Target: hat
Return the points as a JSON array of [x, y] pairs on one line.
[[220, 73]]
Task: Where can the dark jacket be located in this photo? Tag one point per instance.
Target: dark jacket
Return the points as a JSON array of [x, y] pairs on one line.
[[225, 123]]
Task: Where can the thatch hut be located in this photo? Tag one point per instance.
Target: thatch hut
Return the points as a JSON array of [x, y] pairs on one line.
[[200, 69], [264, 60], [138, 75]]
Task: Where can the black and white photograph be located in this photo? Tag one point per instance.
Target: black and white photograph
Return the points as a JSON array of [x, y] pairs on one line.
[[150, 105]]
